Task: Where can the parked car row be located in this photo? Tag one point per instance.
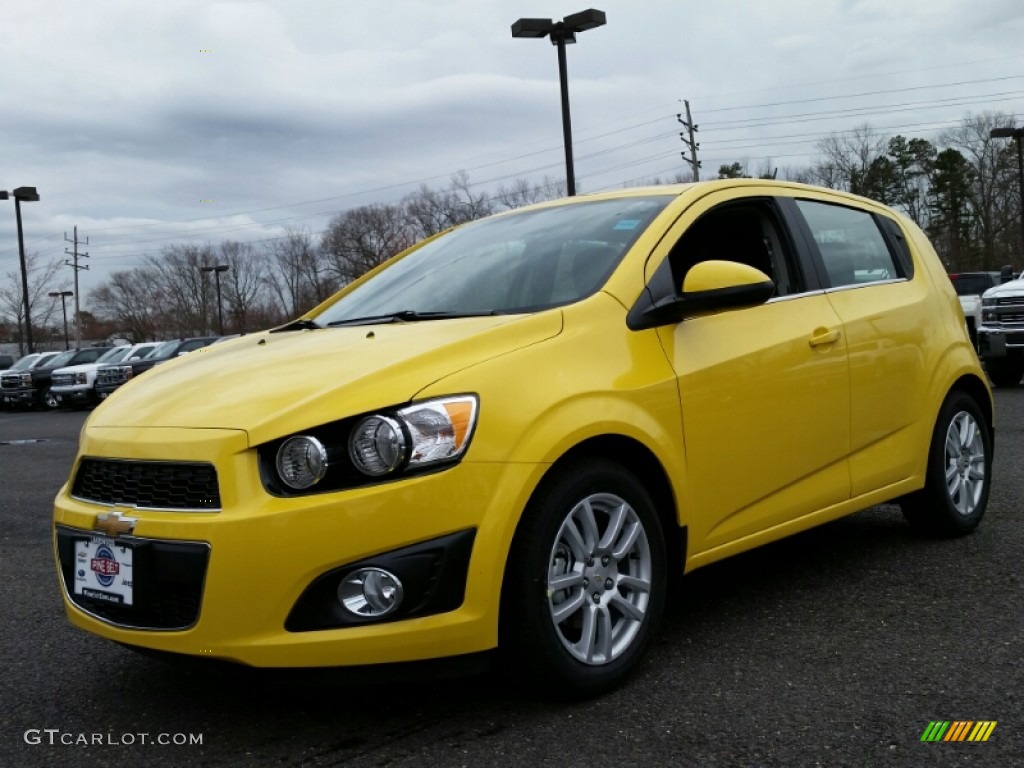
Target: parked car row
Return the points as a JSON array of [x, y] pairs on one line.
[[80, 378]]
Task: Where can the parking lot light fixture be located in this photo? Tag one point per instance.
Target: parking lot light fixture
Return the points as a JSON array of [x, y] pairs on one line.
[[216, 273], [28, 195], [562, 33], [1018, 135], [64, 310]]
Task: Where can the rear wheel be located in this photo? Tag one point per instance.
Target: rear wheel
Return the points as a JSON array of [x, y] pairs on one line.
[[956, 490], [585, 583]]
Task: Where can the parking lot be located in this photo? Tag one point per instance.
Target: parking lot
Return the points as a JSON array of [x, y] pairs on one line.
[[836, 647]]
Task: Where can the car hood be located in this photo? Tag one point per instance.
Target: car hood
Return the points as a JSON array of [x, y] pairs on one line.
[[272, 384], [79, 367], [1011, 288]]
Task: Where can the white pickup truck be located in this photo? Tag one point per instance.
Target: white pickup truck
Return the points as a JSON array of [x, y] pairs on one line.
[[1001, 332], [75, 385]]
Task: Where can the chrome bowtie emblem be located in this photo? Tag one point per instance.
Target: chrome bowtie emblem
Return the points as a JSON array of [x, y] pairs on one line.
[[113, 524]]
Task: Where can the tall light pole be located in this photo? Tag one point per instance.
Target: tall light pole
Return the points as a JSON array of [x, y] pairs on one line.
[[216, 273], [29, 195], [64, 309], [562, 33], [1018, 134]]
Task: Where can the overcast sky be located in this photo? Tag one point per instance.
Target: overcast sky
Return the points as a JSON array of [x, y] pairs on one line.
[[128, 116]]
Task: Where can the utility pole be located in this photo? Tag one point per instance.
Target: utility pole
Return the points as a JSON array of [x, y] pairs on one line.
[[76, 267], [690, 141]]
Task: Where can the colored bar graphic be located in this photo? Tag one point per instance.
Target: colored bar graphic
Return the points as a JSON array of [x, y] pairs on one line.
[[958, 730], [982, 730], [935, 730]]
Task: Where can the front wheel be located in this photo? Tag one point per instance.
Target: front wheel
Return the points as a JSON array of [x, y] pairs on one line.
[[585, 583], [956, 490], [50, 400]]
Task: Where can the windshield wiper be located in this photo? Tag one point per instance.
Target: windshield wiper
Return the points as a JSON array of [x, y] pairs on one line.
[[409, 316], [297, 325]]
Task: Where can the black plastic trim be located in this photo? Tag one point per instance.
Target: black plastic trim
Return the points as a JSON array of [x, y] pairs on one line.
[[433, 574]]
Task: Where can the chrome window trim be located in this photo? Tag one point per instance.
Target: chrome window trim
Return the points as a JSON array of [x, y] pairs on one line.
[[854, 286], [791, 296]]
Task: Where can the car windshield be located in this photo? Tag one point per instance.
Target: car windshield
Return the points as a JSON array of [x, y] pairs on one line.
[[113, 355], [23, 363], [141, 353], [163, 351], [520, 262], [60, 360], [43, 361]]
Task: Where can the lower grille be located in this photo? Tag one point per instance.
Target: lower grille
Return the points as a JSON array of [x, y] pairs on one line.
[[148, 484], [167, 582]]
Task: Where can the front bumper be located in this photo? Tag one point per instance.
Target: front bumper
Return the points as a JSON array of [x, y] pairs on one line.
[[265, 553], [26, 395], [996, 343], [84, 394]]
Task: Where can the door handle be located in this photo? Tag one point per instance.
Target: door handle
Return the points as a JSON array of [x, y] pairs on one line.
[[823, 337]]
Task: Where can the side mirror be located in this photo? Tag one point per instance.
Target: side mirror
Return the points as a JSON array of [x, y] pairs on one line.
[[715, 285], [709, 286]]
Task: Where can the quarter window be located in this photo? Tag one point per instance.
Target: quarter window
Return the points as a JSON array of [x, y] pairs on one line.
[[853, 250]]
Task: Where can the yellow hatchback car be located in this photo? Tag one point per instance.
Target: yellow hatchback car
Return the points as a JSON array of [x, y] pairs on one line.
[[512, 435]]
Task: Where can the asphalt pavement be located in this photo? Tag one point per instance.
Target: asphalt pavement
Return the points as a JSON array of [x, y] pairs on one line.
[[837, 647]]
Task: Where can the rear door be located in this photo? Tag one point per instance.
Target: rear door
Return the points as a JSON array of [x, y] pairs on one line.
[[863, 260]]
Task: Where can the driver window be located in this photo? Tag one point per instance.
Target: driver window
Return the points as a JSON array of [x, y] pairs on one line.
[[743, 232]]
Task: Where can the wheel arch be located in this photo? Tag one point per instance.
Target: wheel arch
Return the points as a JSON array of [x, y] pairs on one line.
[[638, 459], [976, 388]]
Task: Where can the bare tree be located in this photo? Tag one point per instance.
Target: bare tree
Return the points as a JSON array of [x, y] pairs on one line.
[[131, 299], [850, 158], [994, 180], [242, 283], [188, 293], [296, 275], [43, 277], [358, 240], [521, 192]]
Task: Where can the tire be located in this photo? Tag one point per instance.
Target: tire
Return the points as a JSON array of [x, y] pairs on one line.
[[959, 476], [585, 582], [48, 400], [1003, 375]]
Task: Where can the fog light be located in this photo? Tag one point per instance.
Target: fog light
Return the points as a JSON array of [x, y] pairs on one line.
[[370, 593], [301, 462]]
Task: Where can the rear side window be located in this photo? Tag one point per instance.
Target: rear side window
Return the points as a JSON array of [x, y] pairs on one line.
[[852, 247]]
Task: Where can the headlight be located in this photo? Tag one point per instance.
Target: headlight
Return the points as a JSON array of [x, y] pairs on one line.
[[301, 462], [988, 302], [370, 447], [81, 378], [422, 434], [377, 445]]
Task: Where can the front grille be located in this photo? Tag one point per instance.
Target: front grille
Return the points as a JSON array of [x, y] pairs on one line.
[[1012, 301], [147, 484], [10, 382], [63, 379], [110, 376], [167, 579]]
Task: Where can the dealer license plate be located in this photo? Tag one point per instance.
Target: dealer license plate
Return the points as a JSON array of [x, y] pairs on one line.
[[103, 570]]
